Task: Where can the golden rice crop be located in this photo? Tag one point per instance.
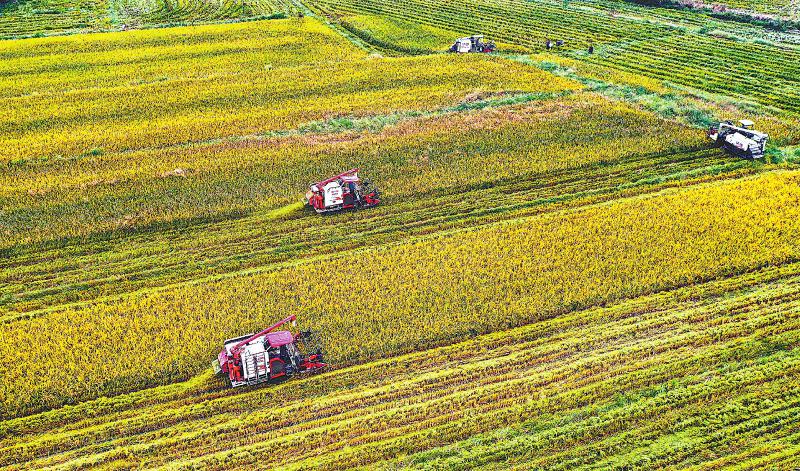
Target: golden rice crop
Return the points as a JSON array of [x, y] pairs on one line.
[[379, 302], [709, 360], [173, 112], [659, 329], [113, 60], [41, 276], [408, 159]]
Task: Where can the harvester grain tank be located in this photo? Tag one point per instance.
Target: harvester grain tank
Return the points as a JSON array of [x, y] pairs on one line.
[[343, 191], [742, 141], [269, 355], [472, 44]]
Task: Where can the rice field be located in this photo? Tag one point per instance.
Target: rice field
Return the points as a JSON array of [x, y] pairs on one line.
[[56, 118], [37, 18], [21, 18], [563, 273], [688, 48], [714, 362]]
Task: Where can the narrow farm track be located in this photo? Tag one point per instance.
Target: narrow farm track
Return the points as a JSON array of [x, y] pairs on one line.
[[83, 271], [714, 359]]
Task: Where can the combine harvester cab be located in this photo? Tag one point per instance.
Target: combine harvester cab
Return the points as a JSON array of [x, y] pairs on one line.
[[344, 191], [268, 356], [742, 140]]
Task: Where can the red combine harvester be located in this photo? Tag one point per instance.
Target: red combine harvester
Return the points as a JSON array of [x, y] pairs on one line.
[[268, 356], [344, 191]]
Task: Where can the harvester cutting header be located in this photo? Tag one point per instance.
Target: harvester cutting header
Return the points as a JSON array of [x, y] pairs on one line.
[[268, 356], [344, 191]]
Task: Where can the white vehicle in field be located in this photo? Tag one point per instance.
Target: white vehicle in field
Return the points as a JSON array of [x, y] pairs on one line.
[[742, 140], [472, 44]]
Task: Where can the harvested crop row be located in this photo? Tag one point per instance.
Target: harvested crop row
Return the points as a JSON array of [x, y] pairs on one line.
[[140, 12], [516, 22], [27, 18], [659, 48], [688, 61], [579, 389], [34, 18], [410, 296]]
